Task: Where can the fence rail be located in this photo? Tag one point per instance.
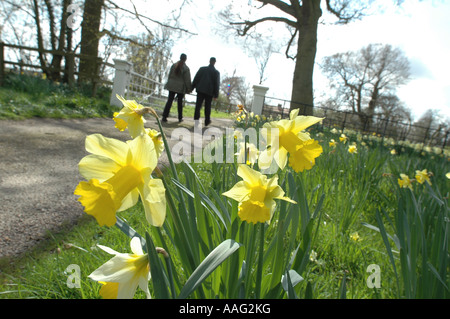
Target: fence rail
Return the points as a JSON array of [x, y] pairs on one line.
[[26, 61], [384, 127]]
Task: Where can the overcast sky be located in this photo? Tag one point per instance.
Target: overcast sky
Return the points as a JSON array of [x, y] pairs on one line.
[[420, 28]]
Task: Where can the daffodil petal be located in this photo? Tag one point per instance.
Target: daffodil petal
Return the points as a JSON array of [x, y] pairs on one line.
[[112, 148], [129, 200], [121, 268], [249, 175], [303, 122], [143, 152], [136, 246], [107, 249], [293, 114], [97, 166], [239, 192], [154, 201], [280, 157]]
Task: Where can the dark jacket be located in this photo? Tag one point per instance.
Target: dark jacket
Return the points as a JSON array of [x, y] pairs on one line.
[[179, 83], [207, 81]]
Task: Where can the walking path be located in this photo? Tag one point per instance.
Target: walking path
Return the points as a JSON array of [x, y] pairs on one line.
[[39, 172]]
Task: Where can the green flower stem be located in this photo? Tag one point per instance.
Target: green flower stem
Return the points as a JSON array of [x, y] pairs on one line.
[[260, 261]]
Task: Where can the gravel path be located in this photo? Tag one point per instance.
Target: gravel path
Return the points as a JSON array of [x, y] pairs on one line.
[[38, 174]]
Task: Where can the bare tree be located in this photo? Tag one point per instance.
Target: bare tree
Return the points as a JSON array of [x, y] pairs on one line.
[[235, 89], [302, 19], [368, 78]]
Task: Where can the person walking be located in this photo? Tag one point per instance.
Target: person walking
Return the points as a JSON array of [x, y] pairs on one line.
[[206, 82], [178, 83]]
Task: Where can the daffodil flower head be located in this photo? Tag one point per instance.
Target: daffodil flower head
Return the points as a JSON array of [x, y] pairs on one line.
[[422, 176], [256, 194], [287, 137], [332, 143], [343, 138], [122, 274], [157, 140], [118, 173], [130, 117], [404, 181], [248, 152], [352, 149], [355, 236]]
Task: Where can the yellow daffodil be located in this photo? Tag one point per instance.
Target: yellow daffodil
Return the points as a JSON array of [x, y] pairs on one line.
[[352, 149], [404, 181], [122, 274], [354, 236], [290, 139], [447, 175], [343, 138], [130, 117], [422, 177], [393, 151], [332, 143], [256, 194], [118, 173], [240, 109], [247, 153], [313, 256], [157, 140]]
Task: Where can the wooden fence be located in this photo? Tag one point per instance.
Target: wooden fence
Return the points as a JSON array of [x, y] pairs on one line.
[[68, 71]]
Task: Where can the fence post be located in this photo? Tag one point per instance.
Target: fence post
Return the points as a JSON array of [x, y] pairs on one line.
[[2, 63], [259, 94], [70, 60], [445, 141], [121, 78]]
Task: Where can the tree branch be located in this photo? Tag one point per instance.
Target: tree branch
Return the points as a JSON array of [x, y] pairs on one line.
[[250, 24], [137, 15], [283, 6], [343, 13], [289, 45]]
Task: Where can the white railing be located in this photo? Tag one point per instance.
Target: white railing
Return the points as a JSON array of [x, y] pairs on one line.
[[132, 85]]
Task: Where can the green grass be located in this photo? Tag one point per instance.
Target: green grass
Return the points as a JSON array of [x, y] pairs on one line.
[[24, 96], [404, 232], [355, 187]]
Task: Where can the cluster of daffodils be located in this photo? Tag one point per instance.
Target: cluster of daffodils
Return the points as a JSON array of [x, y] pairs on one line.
[[256, 192], [421, 177], [117, 175], [245, 119], [352, 148], [394, 146]]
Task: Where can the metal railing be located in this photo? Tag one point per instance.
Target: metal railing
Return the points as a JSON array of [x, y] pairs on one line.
[[376, 124]]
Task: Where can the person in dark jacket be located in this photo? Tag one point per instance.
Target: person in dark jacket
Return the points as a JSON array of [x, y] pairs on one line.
[[206, 82], [178, 83]]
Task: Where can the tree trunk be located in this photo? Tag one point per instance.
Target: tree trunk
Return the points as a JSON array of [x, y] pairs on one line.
[[57, 57], [89, 40], [40, 40], [302, 84]]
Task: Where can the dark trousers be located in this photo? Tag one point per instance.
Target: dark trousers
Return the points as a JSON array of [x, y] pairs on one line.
[[169, 105], [198, 105]]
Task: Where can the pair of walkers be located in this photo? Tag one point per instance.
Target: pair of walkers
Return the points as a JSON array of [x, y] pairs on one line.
[[206, 83]]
